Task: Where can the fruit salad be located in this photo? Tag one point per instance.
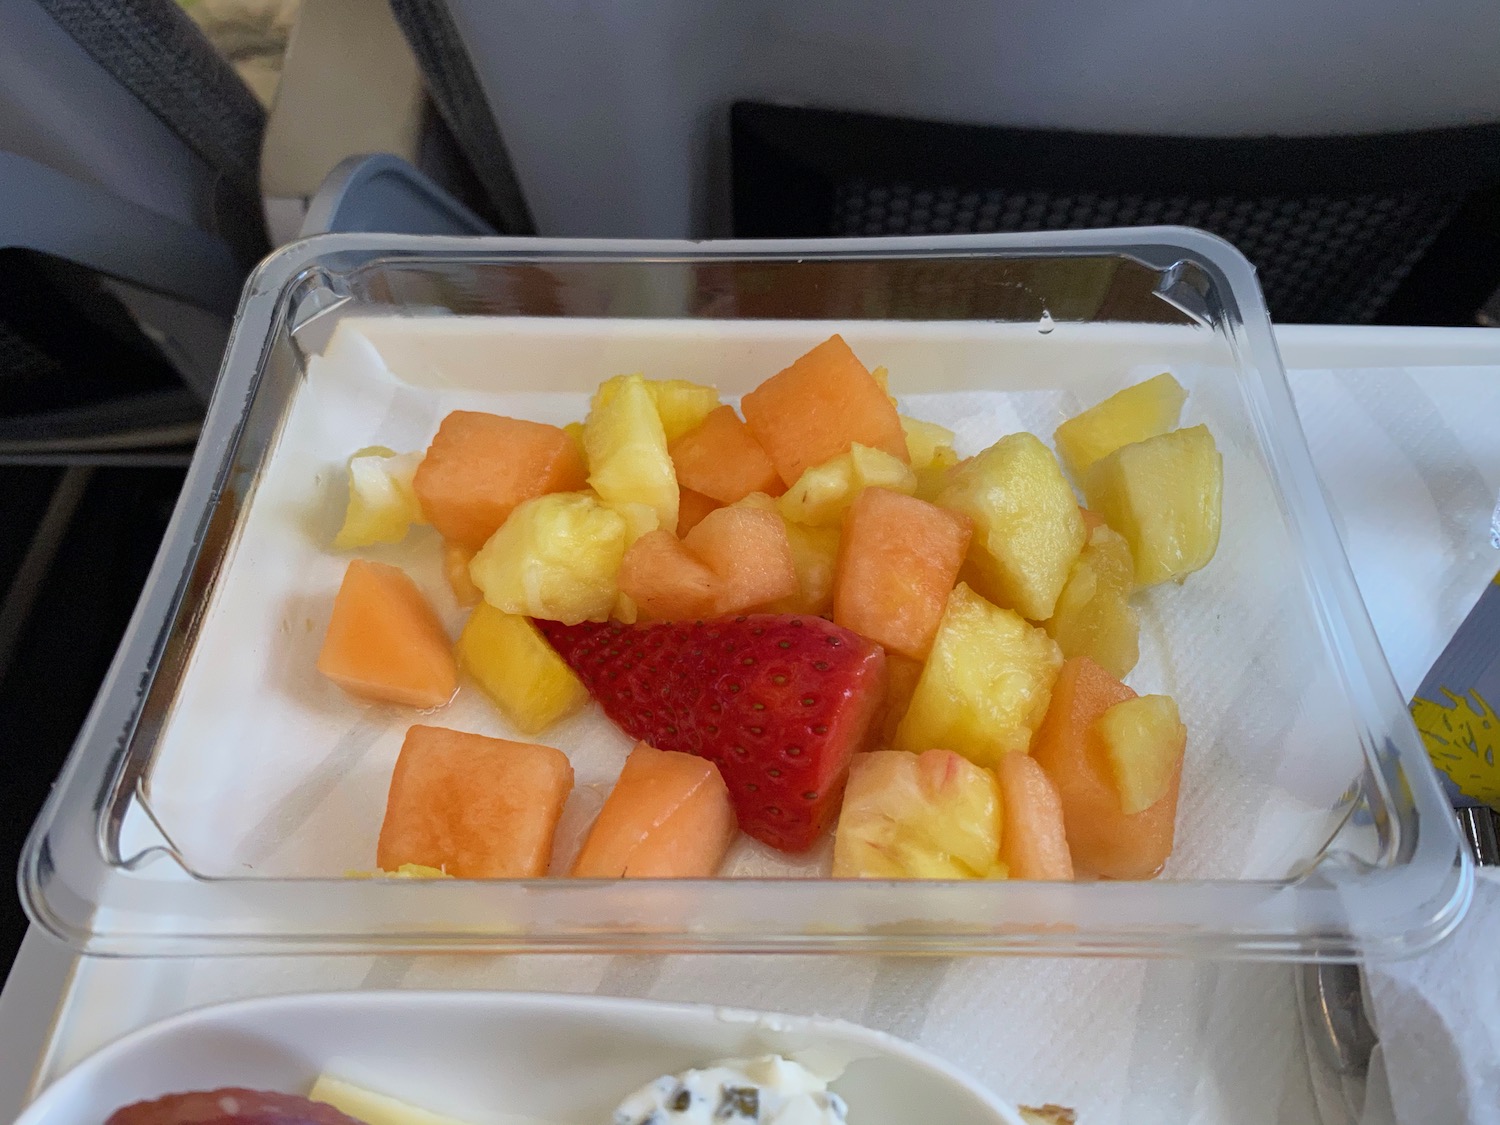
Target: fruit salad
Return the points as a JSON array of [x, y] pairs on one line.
[[811, 615]]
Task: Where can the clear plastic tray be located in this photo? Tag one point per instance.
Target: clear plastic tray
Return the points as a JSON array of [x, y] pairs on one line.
[[221, 792]]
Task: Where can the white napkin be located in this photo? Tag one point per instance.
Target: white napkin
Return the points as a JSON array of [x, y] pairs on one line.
[[1410, 461], [1411, 465], [1438, 1018]]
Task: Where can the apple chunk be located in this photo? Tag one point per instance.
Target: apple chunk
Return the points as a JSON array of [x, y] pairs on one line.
[[1143, 741]]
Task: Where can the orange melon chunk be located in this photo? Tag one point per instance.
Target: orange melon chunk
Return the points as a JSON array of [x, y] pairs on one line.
[[818, 407], [456, 560], [668, 817], [748, 551], [897, 563], [1104, 840], [479, 467], [722, 460], [666, 580], [1033, 841], [384, 641], [473, 807], [691, 508]]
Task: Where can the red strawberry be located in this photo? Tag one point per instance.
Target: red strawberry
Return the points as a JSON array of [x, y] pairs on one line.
[[779, 703]]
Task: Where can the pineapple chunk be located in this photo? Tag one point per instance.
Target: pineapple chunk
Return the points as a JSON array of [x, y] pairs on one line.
[[1094, 617], [627, 450], [1134, 414], [815, 556], [1143, 741], [909, 816], [1027, 528], [575, 431], [639, 518], [986, 684], [382, 502], [680, 405], [933, 477], [882, 377], [924, 439], [1164, 495], [556, 557], [518, 669], [823, 493]]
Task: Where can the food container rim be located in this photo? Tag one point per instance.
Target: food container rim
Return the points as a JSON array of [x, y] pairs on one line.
[[1405, 905]]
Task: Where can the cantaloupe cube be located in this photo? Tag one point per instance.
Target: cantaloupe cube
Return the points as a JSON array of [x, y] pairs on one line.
[[1131, 415], [1027, 530], [691, 508], [518, 669], [749, 553], [479, 467], [722, 460], [815, 554], [667, 581], [475, 807], [384, 641], [456, 560], [816, 408], [901, 676], [668, 817], [1034, 842], [985, 685], [1104, 840], [897, 563]]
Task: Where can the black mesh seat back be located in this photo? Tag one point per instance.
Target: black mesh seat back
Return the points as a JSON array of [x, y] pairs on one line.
[[1334, 226]]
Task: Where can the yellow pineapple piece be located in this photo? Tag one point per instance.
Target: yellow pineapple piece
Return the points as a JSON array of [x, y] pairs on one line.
[[986, 684], [1027, 528], [518, 669], [815, 555], [575, 431], [1094, 617], [923, 440], [627, 450], [882, 377], [680, 405], [933, 815], [639, 518], [1132, 415], [382, 502], [823, 493], [933, 478], [557, 557], [1164, 495], [1143, 741]]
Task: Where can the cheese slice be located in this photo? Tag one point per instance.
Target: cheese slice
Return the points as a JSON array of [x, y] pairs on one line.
[[372, 1108]]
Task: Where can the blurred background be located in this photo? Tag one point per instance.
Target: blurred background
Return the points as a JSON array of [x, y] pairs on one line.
[[152, 151]]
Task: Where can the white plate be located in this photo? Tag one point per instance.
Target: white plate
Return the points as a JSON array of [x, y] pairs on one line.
[[496, 1058]]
